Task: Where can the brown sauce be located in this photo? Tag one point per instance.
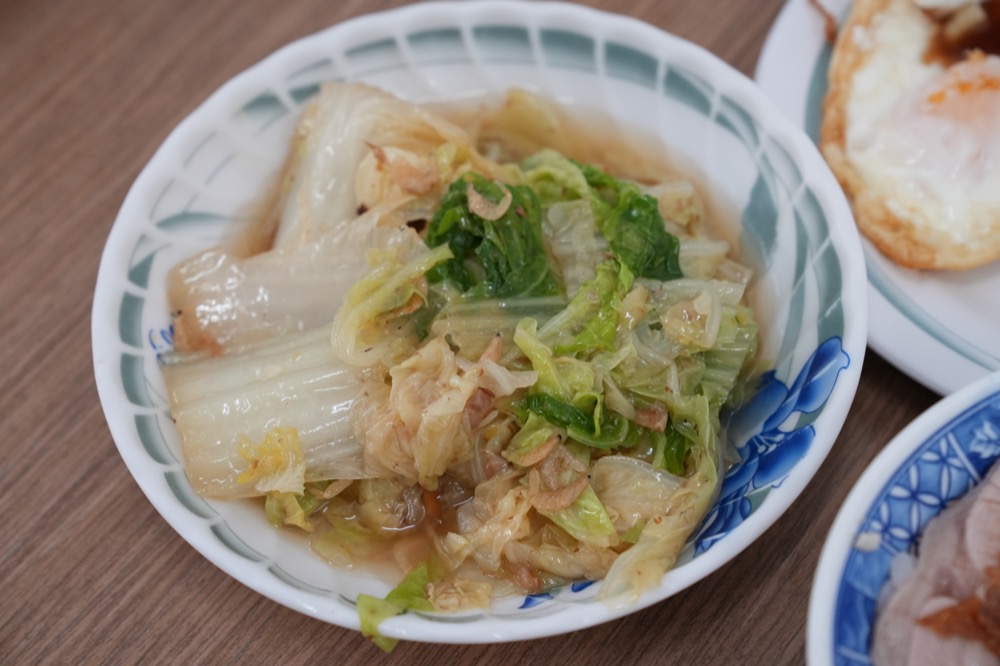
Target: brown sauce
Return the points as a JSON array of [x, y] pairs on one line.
[[984, 39], [393, 551], [973, 619]]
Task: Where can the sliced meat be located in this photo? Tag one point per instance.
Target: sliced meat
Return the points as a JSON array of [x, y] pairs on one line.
[[982, 526], [958, 549], [930, 648]]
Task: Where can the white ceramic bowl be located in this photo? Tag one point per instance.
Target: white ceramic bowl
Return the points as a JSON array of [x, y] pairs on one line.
[[791, 219], [931, 463]]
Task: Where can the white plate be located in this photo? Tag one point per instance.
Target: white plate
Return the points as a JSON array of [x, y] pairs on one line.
[[931, 463], [791, 215], [942, 329]]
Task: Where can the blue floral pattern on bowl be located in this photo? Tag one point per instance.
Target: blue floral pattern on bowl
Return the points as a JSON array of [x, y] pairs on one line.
[[770, 454], [944, 466]]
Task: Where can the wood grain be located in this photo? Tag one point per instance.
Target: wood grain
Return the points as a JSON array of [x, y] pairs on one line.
[[90, 573]]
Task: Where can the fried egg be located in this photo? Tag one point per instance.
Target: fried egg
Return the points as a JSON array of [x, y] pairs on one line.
[[911, 128]]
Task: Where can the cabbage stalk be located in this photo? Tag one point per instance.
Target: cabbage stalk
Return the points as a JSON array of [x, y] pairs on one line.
[[218, 403], [356, 149]]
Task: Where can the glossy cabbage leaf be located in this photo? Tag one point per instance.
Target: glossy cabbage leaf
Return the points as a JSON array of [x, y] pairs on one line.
[[632, 223], [410, 594], [495, 234]]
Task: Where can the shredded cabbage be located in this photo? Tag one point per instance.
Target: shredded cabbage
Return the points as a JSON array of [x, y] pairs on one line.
[[367, 326], [517, 381]]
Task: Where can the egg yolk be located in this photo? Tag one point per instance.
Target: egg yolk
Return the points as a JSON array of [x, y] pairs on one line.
[[981, 82], [968, 92]]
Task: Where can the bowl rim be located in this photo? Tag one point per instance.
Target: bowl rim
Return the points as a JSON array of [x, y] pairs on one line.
[[664, 46]]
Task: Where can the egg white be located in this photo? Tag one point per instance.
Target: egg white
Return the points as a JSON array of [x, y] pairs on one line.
[[922, 140], [935, 169]]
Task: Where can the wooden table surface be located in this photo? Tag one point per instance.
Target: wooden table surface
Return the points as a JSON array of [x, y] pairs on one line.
[[89, 572]]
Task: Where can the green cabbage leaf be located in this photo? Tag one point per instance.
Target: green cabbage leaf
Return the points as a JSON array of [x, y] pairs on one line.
[[410, 594], [495, 234]]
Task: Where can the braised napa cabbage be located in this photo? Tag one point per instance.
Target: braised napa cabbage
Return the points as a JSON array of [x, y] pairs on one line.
[[489, 362]]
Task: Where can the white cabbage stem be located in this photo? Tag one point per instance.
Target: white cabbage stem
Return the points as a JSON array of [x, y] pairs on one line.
[[294, 381]]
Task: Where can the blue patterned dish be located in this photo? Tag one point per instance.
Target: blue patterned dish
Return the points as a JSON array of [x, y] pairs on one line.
[[790, 218], [931, 463]]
